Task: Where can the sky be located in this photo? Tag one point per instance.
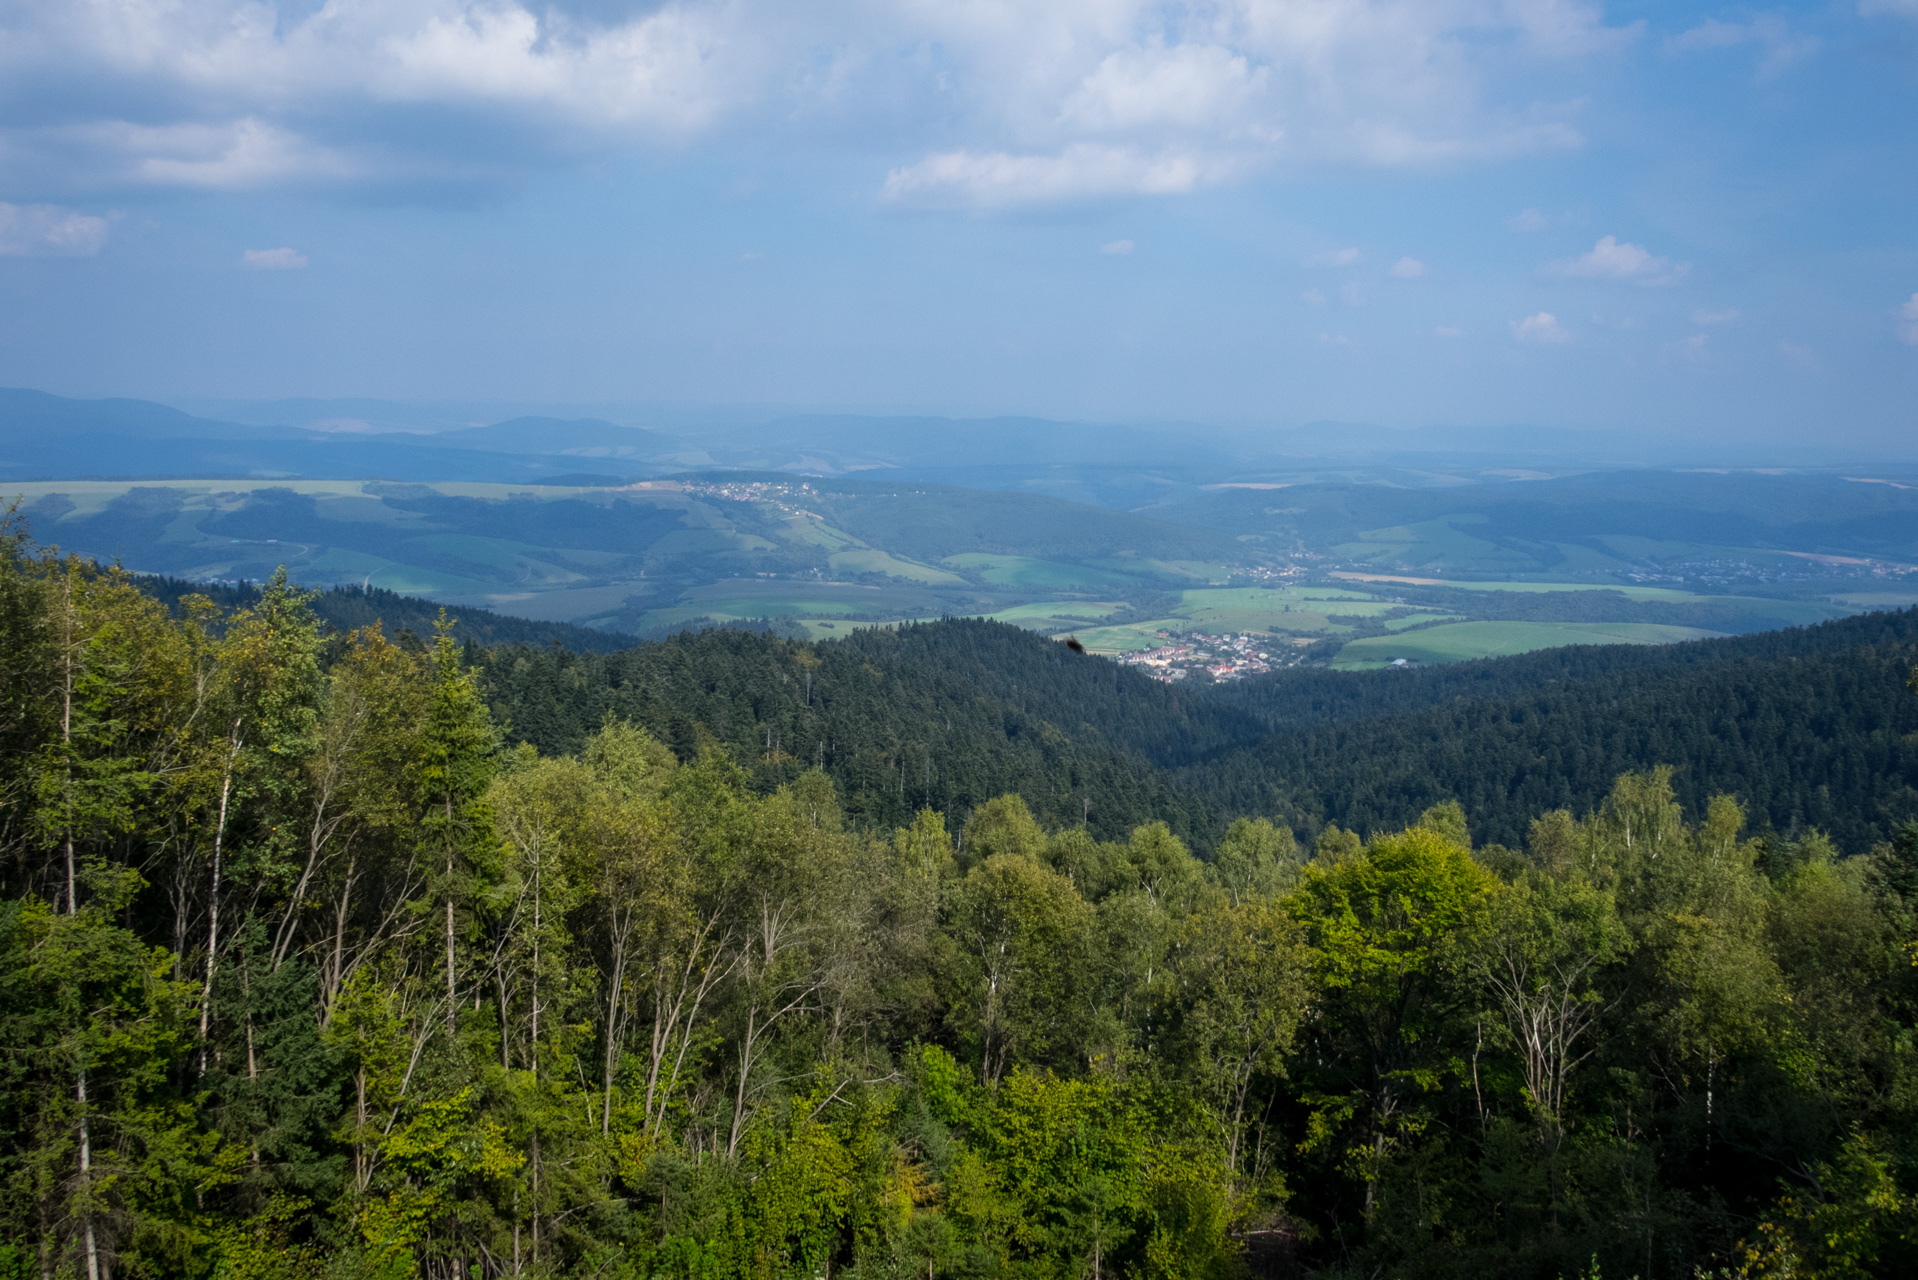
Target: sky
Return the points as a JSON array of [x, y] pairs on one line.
[[1675, 217]]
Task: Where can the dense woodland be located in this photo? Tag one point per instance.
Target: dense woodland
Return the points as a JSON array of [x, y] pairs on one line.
[[1805, 727], [324, 956]]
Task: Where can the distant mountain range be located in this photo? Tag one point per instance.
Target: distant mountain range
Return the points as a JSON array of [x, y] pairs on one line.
[[46, 437]]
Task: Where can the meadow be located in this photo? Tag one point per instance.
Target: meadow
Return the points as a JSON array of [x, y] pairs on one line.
[[1463, 641]]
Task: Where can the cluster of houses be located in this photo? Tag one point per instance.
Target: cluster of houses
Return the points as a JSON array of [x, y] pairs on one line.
[[1226, 657]]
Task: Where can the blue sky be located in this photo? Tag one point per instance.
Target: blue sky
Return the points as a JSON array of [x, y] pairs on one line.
[[1678, 217]]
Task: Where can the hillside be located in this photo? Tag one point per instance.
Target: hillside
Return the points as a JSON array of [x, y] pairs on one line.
[[945, 714], [345, 608], [1808, 727]]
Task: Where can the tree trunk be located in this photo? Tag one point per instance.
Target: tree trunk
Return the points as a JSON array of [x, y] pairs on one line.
[[86, 1181], [612, 1036], [532, 1043], [213, 894], [452, 994]]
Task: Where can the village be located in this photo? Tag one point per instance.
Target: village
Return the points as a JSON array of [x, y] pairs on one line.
[[1222, 657]]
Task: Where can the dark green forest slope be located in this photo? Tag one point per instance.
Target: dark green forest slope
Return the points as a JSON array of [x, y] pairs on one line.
[[945, 714], [1801, 724]]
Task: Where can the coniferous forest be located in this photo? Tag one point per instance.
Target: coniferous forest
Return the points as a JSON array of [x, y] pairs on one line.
[[356, 954]]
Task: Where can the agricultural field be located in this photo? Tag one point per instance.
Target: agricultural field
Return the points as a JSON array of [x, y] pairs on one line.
[[1038, 575], [1463, 641], [1430, 620], [819, 558]]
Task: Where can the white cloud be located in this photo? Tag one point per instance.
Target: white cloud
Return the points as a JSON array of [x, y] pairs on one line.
[[1013, 102], [1448, 331], [1909, 314], [1706, 317], [48, 231], [1903, 8], [1612, 260], [273, 259], [1191, 86], [1529, 220], [1313, 296], [1781, 45], [1406, 268], [1083, 171], [1118, 248], [246, 154], [1692, 348], [1333, 258], [1543, 327]]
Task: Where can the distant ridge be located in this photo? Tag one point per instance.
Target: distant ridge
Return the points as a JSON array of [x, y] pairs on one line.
[[49, 437], [346, 608]]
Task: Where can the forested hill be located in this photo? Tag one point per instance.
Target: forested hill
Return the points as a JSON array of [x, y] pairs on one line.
[[946, 714], [1304, 696], [344, 608], [1808, 727]]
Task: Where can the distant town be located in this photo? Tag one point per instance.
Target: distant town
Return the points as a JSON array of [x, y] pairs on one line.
[[1226, 657]]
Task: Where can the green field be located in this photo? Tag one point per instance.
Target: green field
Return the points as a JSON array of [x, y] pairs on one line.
[[1463, 641], [872, 560], [1039, 575], [1384, 582], [1130, 637]]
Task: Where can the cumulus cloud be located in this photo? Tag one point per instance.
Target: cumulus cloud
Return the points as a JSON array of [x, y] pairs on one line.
[[1705, 316], [273, 260], [1543, 327], [1908, 313], [1779, 45], [1187, 86], [1612, 260], [48, 231], [1333, 258], [1032, 102], [1692, 348], [997, 180], [1406, 268], [1529, 220], [1313, 296], [1118, 248]]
